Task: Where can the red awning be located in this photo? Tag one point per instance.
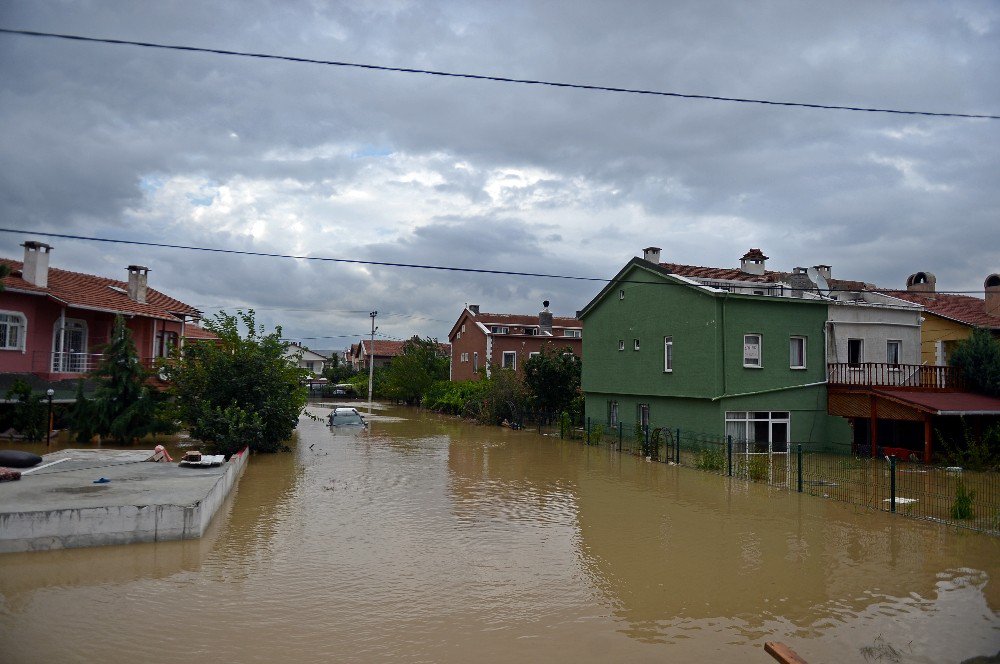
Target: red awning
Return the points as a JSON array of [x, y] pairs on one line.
[[946, 403]]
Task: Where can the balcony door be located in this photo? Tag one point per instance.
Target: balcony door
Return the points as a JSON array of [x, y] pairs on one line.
[[69, 346]]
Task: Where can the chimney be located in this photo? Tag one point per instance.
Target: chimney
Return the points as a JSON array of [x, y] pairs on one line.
[[545, 319], [137, 283], [753, 262], [474, 308], [36, 263], [825, 271], [800, 281], [992, 288], [921, 282], [651, 254]]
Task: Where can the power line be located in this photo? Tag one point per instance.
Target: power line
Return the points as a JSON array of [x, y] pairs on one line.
[[418, 266], [483, 77]]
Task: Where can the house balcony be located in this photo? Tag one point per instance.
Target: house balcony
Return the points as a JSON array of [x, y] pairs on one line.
[[62, 366], [901, 376]]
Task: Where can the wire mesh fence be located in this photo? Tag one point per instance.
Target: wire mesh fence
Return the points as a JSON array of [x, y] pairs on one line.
[[947, 494]]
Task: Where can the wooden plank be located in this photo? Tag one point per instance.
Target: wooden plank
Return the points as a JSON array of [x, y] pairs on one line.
[[782, 653]]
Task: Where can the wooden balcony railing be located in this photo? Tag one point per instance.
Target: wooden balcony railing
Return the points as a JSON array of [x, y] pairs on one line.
[[878, 374]]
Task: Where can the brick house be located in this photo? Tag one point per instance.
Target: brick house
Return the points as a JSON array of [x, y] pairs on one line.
[[53, 323], [480, 341], [382, 352]]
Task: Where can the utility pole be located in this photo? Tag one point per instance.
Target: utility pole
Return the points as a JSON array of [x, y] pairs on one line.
[[371, 362]]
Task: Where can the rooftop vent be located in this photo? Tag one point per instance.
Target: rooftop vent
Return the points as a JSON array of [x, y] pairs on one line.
[[137, 276], [753, 262], [992, 288], [921, 282], [651, 254], [36, 263]]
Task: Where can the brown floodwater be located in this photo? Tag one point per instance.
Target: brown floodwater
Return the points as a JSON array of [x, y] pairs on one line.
[[429, 539]]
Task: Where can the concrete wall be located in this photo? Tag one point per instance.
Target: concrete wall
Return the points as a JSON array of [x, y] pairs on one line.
[[875, 326]]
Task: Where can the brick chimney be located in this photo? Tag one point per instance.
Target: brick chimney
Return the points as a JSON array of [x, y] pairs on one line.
[[651, 254], [545, 319], [992, 288], [753, 262], [137, 275], [36, 263], [474, 308], [921, 282], [800, 282]]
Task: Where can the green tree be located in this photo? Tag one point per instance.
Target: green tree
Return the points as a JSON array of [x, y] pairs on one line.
[[241, 390], [412, 373], [553, 379], [28, 415], [337, 371], [978, 358], [124, 407]]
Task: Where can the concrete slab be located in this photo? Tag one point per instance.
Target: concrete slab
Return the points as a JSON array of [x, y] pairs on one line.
[[57, 504]]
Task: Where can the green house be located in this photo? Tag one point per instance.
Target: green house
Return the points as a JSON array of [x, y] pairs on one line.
[[665, 350]]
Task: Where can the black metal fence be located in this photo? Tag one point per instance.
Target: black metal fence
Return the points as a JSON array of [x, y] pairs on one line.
[[947, 494]]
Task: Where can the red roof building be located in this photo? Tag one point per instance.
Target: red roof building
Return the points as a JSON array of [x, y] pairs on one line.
[[53, 323], [481, 341], [382, 351]]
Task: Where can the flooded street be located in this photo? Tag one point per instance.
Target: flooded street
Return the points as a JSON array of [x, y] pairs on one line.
[[429, 539]]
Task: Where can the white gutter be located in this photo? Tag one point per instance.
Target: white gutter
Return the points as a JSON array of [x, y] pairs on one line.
[[773, 389]]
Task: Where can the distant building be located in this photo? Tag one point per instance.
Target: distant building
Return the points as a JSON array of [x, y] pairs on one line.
[[481, 341], [309, 360], [381, 352]]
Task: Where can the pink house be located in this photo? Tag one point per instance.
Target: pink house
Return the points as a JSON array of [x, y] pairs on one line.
[[53, 323]]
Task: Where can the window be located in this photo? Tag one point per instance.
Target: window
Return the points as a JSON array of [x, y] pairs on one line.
[[475, 361], [499, 329], [644, 415], [668, 354], [797, 352], [855, 351], [463, 327], [892, 351], [751, 350], [621, 295], [165, 343], [533, 354], [509, 359], [621, 344], [635, 344], [758, 431], [613, 413], [12, 327], [575, 334]]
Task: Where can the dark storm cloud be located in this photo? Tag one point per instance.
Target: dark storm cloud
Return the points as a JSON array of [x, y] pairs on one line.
[[195, 149]]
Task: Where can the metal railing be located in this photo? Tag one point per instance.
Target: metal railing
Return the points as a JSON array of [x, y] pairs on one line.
[[74, 363], [881, 374], [947, 494]]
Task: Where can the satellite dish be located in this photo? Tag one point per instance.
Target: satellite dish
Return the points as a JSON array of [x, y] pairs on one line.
[[821, 285]]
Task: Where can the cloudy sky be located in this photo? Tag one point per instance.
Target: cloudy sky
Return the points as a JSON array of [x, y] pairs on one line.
[[255, 155]]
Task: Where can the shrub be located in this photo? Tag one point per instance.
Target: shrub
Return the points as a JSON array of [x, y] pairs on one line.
[[962, 507], [710, 458]]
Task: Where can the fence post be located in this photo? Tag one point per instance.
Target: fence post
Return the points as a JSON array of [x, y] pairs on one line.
[[587, 442], [729, 454], [800, 467], [645, 437], [892, 483], [677, 445]]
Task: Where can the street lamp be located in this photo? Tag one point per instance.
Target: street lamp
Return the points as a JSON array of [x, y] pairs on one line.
[[48, 432]]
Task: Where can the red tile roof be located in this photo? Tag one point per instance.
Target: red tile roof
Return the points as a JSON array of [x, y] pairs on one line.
[[948, 403], [961, 308], [196, 332], [736, 274], [88, 291]]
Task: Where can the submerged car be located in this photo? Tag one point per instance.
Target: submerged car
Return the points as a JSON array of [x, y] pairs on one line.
[[341, 417]]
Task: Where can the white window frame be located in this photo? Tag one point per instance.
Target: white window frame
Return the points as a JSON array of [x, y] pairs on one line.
[[573, 334], [898, 343], [621, 294], [499, 329], [20, 326], [668, 354], [613, 413], [475, 361], [533, 354], [621, 344], [791, 351], [740, 425], [750, 362], [513, 363], [635, 344], [74, 365]]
